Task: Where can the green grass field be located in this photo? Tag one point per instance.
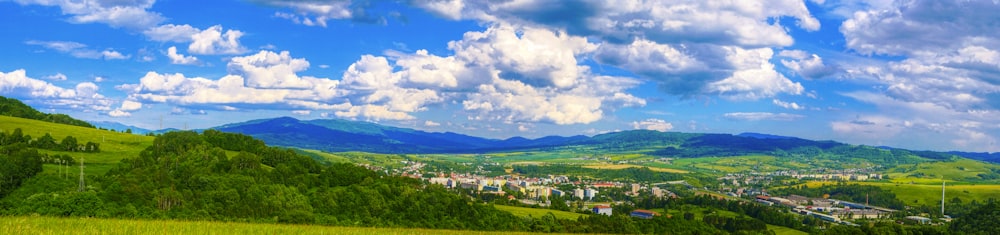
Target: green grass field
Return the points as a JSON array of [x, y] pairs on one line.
[[53, 225], [114, 145], [538, 213], [931, 194], [956, 170]]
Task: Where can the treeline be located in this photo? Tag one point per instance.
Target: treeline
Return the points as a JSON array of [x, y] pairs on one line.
[[857, 193], [68, 143], [15, 108], [628, 174], [17, 164]]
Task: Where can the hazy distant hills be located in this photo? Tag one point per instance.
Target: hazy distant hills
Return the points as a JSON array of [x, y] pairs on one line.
[[337, 135]]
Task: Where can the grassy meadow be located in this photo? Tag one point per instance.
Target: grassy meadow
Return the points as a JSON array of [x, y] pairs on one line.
[[55, 225], [931, 193], [538, 212], [114, 145]]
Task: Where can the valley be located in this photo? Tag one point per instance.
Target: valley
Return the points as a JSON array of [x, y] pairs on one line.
[[524, 186]]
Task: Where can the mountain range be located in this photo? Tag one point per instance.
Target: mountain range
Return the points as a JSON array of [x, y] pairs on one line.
[[338, 135]]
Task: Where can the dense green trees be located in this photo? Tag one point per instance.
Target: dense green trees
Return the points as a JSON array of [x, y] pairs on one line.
[[982, 220]]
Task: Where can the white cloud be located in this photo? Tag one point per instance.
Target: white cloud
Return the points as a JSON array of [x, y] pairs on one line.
[[56, 77], [807, 66], [762, 116], [733, 23], [755, 77], [129, 105], [119, 113], [83, 97], [180, 59], [267, 69], [531, 55], [787, 105], [212, 41], [653, 124], [430, 123], [302, 112], [117, 14], [79, 50], [317, 13], [172, 33]]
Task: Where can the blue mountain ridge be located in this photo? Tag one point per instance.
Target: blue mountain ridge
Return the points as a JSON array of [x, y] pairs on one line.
[[338, 135]]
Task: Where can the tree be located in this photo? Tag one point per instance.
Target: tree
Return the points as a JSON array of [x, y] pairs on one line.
[[69, 143]]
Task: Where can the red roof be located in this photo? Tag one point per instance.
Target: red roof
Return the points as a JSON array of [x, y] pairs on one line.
[[601, 206]]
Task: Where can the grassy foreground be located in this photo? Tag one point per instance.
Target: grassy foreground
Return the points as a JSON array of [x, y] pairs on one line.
[[55, 225]]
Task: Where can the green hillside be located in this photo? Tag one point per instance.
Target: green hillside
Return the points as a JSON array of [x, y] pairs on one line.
[[114, 146], [15, 108]]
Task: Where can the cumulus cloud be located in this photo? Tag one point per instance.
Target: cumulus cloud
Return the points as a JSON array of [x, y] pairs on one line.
[[79, 50], [754, 79], [762, 116], [268, 69], [807, 66], [117, 14], [83, 97], [653, 124], [176, 58], [129, 105], [430, 123], [212, 41]]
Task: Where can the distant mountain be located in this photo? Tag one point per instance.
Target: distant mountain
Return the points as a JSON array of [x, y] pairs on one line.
[[117, 126], [989, 157], [338, 135], [763, 136]]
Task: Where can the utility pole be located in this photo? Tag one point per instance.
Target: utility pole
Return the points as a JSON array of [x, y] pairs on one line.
[[942, 197], [83, 185]]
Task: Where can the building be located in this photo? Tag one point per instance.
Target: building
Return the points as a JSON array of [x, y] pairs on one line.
[[645, 214], [557, 193], [589, 193], [919, 219], [578, 193], [602, 210]]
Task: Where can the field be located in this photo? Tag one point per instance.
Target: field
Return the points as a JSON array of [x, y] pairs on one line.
[[52, 225], [931, 194], [114, 145], [624, 166], [538, 213], [932, 172]]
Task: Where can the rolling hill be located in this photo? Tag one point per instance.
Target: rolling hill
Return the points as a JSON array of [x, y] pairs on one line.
[[335, 135]]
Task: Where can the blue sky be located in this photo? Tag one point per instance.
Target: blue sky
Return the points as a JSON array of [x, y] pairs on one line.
[[912, 74]]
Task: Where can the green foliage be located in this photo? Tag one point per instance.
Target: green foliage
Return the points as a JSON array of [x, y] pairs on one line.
[[15, 108], [983, 220]]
